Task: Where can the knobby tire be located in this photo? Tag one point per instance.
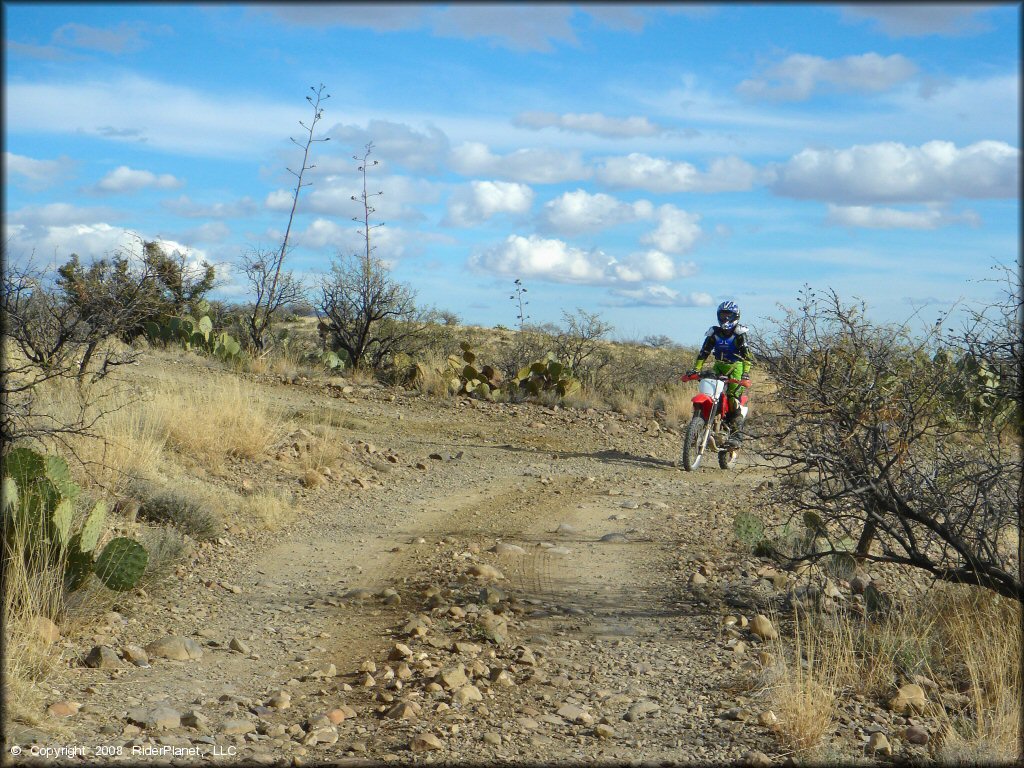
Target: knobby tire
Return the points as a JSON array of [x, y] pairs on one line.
[[692, 442]]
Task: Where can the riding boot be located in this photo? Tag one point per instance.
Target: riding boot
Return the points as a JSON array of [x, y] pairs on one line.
[[735, 424]]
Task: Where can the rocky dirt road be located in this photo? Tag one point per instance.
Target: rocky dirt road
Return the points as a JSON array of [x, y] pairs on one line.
[[514, 583]]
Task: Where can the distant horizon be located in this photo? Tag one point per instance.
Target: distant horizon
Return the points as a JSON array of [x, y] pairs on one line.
[[641, 162]]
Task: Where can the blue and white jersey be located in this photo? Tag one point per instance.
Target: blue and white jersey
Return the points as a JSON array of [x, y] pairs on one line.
[[731, 348]]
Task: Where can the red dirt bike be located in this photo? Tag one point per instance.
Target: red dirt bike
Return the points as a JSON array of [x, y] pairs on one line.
[[706, 428]]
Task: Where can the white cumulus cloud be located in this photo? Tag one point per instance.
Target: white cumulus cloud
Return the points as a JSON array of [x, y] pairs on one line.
[[91, 240], [890, 172], [652, 265], [677, 230], [525, 28], [869, 217], [478, 201], [530, 166], [191, 209], [591, 122], [579, 212], [332, 196], [211, 232], [798, 76], [163, 116], [555, 260], [658, 174], [124, 179], [550, 259], [61, 214], [389, 243]]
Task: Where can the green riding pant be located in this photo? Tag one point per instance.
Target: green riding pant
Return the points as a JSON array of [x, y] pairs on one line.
[[733, 391]]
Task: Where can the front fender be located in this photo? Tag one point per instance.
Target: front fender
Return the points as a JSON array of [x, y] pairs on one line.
[[703, 404]]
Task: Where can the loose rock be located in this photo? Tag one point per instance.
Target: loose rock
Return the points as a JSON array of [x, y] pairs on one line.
[[425, 742], [762, 626], [102, 657], [908, 700], [175, 647], [879, 744]]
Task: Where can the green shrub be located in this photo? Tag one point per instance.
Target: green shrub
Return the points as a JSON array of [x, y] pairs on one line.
[[186, 513]]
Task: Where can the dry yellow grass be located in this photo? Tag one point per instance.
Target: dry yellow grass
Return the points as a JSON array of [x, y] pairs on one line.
[[952, 634], [627, 403], [803, 689], [215, 417], [361, 376], [585, 398], [982, 634], [431, 378], [677, 404], [324, 449], [269, 510], [33, 592], [122, 442]]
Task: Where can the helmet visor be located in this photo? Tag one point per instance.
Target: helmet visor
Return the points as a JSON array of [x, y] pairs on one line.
[[727, 318]]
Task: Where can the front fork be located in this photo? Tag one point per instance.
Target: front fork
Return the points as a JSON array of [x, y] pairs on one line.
[[709, 431]]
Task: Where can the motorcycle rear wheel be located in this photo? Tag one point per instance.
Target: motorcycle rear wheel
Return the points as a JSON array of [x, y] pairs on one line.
[[692, 440]]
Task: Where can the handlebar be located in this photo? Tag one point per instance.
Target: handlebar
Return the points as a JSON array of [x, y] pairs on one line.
[[713, 375]]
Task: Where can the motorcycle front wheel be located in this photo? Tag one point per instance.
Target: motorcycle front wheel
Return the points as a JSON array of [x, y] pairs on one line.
[[692, 443]]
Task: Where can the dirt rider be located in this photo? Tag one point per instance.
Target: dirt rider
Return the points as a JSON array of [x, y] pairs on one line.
[[727, 341]]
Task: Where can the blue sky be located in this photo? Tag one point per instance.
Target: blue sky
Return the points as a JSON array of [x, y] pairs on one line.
[[643, 162]]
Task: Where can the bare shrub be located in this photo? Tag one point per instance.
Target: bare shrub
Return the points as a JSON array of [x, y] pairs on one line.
[[578, 344], [869, 444]]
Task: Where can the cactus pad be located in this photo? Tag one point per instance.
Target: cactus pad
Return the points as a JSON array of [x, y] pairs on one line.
[[25, 466], [93, 527], [78, 565], [748, 528], [61, 519], [814, 522], [121, 564], [58, 473]]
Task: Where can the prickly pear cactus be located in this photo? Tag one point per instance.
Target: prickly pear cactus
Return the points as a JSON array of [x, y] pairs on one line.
[[121, 564], [748, 528], [465, 377], [24, 466], [815, 525], [39, 503], [547, 375]]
